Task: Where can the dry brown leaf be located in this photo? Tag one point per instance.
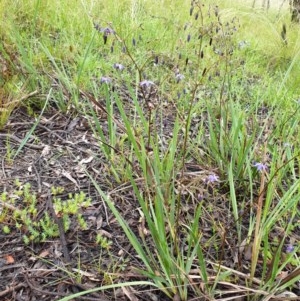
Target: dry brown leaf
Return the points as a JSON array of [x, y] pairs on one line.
[[45, 151], [99, 222], [9, 259], [44, 253], [104, 233], [128, 291], [248, 253], [282, 275], [68, 176], [87, 160]]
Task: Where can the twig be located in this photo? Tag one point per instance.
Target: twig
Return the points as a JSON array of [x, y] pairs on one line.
[[16, 139], [12, 289], [61, 230], [46, 292]]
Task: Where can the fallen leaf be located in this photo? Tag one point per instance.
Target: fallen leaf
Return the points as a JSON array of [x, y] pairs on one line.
[[128, 291], [87, 160], [45, 151], [282, 275], [248, 252], [9, 259], [44, 254], [68, 176]]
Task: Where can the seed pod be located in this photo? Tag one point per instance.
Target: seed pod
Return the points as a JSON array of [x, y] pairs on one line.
[[104, 38], [196, 16], [210, 41], [283, 33], [97, 26], [188, 38], [111, 48], [216, 11], [201, 54], [133, 42], [191, 10], [186, 61]]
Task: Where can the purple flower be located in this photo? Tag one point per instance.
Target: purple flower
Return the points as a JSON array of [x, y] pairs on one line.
[[146, 83], [289, 248], [107, 30], [179, 77], [212, 179], [118, 66], [260, 166], [200, 197], [105, 80]]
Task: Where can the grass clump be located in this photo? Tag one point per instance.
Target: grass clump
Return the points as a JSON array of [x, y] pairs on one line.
[[201, 127]]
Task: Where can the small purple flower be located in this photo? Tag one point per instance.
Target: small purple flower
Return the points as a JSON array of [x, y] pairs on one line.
[[200, 197], [146, 83], [107, 30], [289, 248], [118, 66], [105, 80], [179, 77], [212, 179], [260, 166]]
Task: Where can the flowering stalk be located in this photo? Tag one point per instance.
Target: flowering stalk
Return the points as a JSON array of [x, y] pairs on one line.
[[258, 233]]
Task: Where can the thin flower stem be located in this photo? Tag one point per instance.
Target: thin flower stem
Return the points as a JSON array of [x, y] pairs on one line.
[[258, 232]]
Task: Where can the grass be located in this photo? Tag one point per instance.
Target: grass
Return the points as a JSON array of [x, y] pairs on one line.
[[210, 88]]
